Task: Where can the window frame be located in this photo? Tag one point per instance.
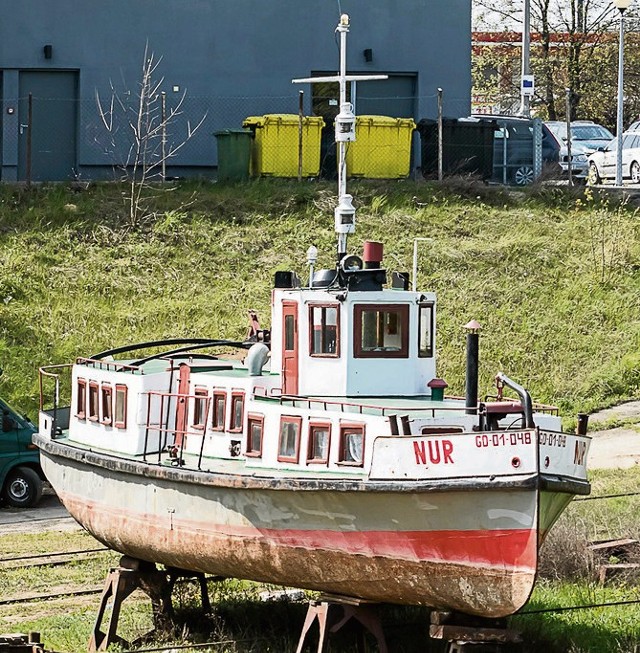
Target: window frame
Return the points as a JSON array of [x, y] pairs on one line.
[[81, 394], [200, 416], [344, 428], [219, 394], [254, 418], [317, 424], [235, 395], [290, 419], [400, 309], [106, 399], [93, 404], [431, 306], [122, 390], [323, 306]]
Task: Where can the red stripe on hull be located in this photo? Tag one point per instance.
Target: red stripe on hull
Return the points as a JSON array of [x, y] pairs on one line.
[[499, 548]]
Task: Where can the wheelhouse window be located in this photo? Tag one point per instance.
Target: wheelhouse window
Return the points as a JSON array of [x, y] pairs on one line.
[[200, 408], [120, 412], [107, 404], [425, 331], [352, 444], [219, 405], [324, 330], [94, 406], [237, 411], [319, 439], [81, 399], [289, 441], [381, 331], [255, 430]]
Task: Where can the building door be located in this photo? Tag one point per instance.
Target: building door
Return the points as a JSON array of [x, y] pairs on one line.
[[182, 407], [289, 348], [395, 97], [53, 125]]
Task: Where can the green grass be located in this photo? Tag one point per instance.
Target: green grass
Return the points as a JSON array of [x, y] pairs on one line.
[[552, 276]]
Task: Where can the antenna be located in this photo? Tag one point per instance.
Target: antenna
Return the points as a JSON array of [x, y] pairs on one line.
[[345, 132]]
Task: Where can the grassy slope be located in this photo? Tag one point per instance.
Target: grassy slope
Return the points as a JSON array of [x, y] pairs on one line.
[[553, 278]]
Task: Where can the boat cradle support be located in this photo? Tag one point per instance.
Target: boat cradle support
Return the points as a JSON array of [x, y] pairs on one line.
[[360, 610], [158, 585], [465, 633]]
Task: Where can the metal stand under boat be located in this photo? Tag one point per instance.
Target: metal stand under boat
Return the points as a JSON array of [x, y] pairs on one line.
[[158, 585], [465, 633], [358, 609]]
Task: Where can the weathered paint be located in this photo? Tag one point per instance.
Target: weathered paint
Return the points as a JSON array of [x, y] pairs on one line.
[[481, 560]]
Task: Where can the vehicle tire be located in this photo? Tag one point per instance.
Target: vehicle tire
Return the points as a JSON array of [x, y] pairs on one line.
[[523, 176], [635, 173], [23, 488], [593, 176]]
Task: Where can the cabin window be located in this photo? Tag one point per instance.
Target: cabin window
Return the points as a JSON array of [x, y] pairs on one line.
[[81, 399], [120, 415], [352, 444], [289, 442], [107, 404], [381, 331], [425, 331], [94, 406], [200, 408], [237, 411], [324, 320], [219, 403], [319, 438], [255, 428]]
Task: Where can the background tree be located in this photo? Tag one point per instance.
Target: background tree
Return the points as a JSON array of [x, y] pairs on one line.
[[574, 45]]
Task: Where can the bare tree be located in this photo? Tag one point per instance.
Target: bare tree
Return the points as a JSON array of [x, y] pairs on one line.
[[137, 125]]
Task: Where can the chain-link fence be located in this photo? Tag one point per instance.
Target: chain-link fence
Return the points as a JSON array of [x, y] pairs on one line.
[[170, 135]]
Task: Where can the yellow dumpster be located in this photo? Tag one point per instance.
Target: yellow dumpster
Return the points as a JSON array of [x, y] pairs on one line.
[[382, 149], [275, 148]]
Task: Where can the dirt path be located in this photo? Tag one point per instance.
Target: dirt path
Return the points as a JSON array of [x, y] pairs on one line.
[[617, 448]]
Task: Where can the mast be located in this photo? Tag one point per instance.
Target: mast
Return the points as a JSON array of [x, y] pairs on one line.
[[345, 133]]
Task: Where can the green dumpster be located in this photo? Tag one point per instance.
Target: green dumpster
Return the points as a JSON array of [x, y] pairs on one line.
[[234, 154]]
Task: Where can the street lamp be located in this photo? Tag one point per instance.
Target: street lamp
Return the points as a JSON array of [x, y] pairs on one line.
[[621, 6]]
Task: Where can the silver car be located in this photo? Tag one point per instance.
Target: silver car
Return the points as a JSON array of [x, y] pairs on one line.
[[586, 138], [602, 164]]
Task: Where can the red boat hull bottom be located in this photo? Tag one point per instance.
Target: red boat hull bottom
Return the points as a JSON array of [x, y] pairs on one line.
[[468, 571]]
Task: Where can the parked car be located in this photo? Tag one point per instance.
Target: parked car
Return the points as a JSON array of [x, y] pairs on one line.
[[602, 163], [513, 149], [586, 137], [21, 477]]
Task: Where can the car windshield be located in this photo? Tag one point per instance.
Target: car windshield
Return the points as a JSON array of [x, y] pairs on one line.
[[587, 132], [590, 133]]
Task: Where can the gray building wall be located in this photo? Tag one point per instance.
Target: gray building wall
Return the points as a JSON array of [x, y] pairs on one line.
[[233, 58]]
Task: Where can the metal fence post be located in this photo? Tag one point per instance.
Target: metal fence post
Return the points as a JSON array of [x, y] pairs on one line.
[[29, 140], [440, 148], [568, 112], [300, 120]]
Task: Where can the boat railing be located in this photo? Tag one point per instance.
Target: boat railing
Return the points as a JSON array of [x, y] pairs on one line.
[[58, 414], [172, 438], [111, 366], [537, 407], [360, 408]]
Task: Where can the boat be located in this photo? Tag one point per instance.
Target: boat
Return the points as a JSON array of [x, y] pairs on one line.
[[328, 458]]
